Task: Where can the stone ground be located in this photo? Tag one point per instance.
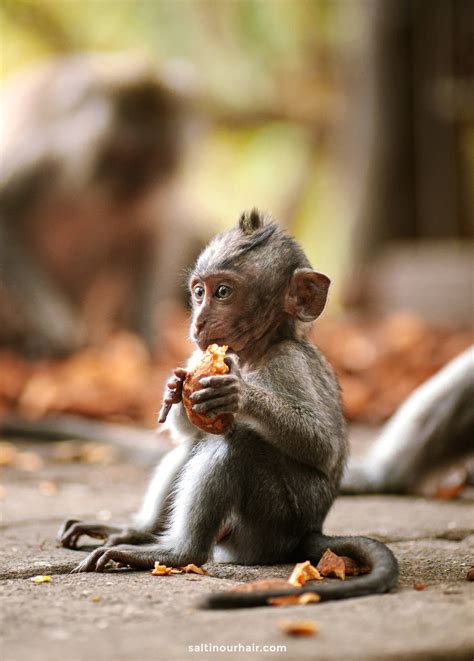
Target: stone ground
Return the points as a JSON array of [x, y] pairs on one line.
[[127, 615]]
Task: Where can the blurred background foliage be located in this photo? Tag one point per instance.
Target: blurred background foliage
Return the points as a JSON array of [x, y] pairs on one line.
[[276, 81], [350, 121], [266, 73]]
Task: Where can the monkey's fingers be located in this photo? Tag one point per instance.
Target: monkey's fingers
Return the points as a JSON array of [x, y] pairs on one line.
[[214, 393], [214, 407], [163, 414], [90, 563], [174, 393], [177, 380], [232, 362], [172, 396], [219, 381], [64, 528], [129, 536], [72, 534]]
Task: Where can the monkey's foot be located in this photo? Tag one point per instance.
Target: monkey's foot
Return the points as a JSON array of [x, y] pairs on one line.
[[125, 554], [139, 557]]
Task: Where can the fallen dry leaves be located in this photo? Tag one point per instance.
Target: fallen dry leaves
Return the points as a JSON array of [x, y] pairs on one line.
[[264, 585], [117, 381], [90, 452], [163, 570], [294, 599], [40, 579], [452, 483], [379, 362], [23, 460], [48, 488], [332, 565], [193, 569], [298, 627], [302, 572]]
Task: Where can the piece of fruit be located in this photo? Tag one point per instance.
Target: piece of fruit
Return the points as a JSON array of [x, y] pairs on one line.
[[211, 364]]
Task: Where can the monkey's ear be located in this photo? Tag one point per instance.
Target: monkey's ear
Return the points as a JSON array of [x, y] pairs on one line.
[[307, 294]]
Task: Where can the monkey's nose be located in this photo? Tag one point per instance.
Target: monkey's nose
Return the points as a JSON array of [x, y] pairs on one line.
[[197, 328], [199, 325]]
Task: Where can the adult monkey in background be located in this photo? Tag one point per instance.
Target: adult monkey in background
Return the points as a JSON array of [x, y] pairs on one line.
[[259, 493], [431, 431], [92, 237]]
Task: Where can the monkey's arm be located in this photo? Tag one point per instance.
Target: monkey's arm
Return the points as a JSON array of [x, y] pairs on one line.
[[203, 497], [284, 404], [432, 429], [152, 514], [149, 520], [304, 430]]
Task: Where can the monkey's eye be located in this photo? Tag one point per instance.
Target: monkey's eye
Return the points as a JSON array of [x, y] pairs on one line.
[[198, 293], [223, 291]]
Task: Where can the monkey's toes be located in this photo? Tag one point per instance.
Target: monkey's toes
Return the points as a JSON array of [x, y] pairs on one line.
[[71, 535], [90, 563]]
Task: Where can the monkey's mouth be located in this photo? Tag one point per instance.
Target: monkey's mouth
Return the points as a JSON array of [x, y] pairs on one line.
[[205, 342]]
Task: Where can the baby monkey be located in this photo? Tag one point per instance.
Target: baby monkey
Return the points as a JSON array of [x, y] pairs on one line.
[[260, 492]]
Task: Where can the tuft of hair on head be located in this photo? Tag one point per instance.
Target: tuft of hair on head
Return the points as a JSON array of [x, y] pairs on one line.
[[250, 221]]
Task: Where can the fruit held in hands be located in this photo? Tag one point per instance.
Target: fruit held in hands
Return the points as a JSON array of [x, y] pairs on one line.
[[211, 364]]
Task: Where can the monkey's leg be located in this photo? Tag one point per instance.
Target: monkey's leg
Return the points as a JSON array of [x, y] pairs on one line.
[[153, 513], [149, 519], [205, 493]]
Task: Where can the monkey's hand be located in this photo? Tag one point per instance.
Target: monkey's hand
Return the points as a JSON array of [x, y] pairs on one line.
[[72, 530], [221, 393], [173, 393]]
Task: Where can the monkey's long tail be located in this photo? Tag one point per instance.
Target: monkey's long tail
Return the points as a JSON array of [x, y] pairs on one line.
[[365, 550]]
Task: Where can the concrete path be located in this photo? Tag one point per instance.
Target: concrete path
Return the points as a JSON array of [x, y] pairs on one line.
[[127, 615]]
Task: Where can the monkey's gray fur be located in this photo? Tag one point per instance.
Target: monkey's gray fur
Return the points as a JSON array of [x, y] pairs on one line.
[[260, 492], [433, 429]]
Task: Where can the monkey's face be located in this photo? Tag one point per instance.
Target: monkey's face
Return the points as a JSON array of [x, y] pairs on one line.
[[223, 310], [251, 285]]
